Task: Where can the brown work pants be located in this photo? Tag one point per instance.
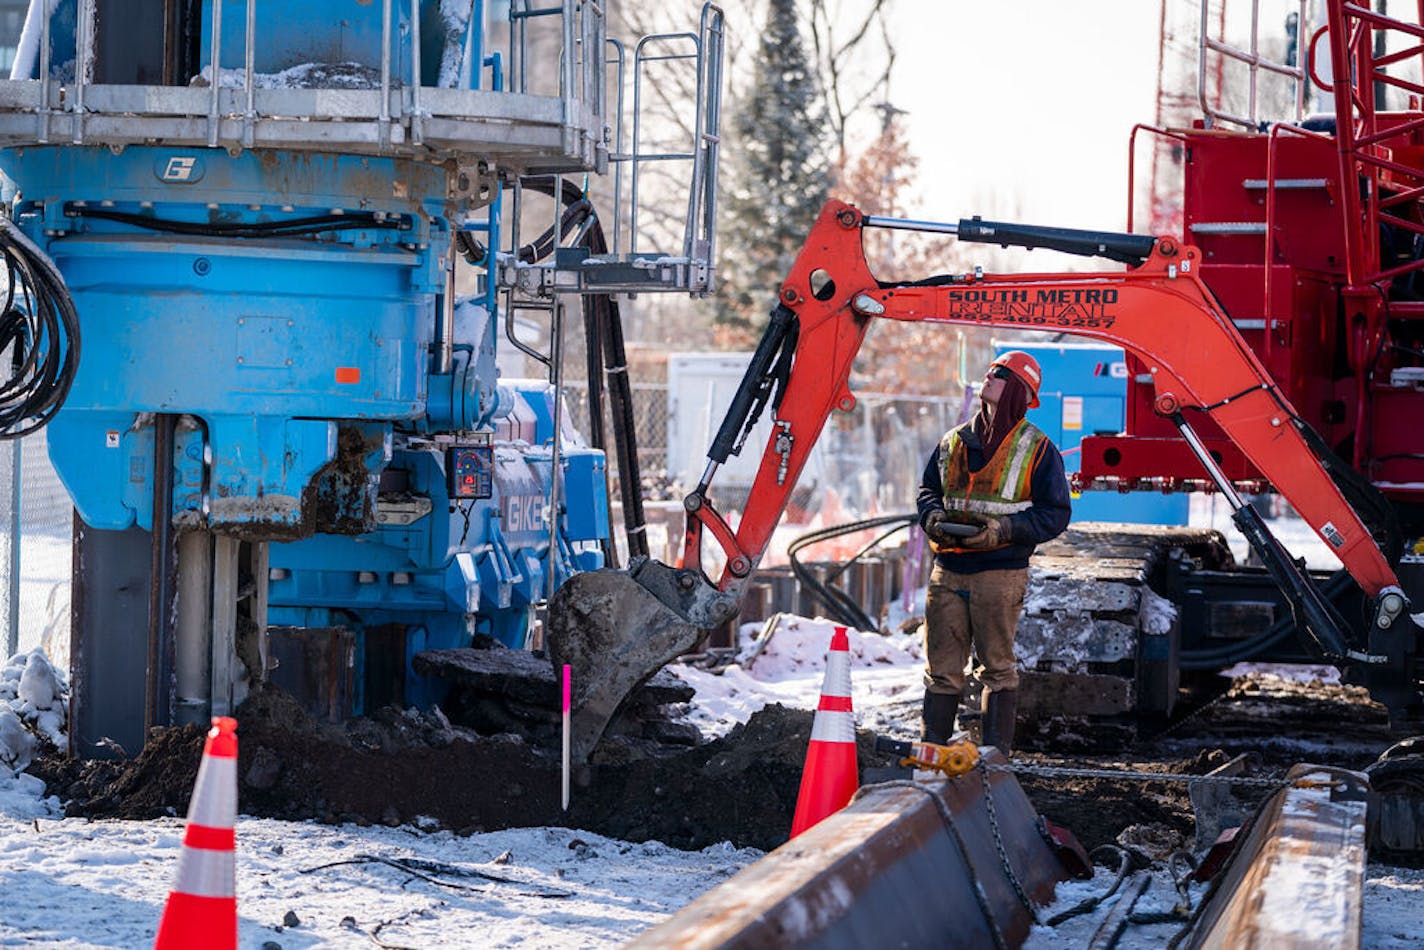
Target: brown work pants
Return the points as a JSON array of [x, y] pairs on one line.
[[980, 608]]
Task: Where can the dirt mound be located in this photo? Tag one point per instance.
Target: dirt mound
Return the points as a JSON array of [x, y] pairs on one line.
[[158, 782], [402, 766]]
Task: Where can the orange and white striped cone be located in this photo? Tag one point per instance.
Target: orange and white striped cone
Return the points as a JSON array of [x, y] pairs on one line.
[[830, 777], [202, 907]]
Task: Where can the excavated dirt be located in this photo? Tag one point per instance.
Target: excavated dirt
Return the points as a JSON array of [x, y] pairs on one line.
[[397, 767], [402, 766]]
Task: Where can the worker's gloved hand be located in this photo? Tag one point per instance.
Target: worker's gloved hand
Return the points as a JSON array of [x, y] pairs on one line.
[[941, 530], [995, 533]]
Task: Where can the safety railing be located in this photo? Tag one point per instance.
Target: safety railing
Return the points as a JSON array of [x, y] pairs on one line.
[[1360, 40], [625, 268], [1215, 53], [388, 108]]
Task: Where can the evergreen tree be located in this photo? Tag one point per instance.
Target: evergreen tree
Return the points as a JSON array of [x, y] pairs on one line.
[[780, 173]]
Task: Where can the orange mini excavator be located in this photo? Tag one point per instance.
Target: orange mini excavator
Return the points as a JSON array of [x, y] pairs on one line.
[[626, 624]]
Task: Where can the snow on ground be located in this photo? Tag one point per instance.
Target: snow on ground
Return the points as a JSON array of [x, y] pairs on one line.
[[1394, 907], [789, 668], [73, 883], [70, 882], [1160, 897], [1306, 673], [79, 883], [1213, 511]]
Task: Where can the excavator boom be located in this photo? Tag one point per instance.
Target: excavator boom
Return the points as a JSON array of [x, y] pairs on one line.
[[1158, 309]]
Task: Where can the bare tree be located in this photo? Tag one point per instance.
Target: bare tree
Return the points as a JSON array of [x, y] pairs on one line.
[[853, 55]]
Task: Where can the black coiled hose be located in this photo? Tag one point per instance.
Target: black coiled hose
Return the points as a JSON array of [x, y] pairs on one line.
[[40, 329]]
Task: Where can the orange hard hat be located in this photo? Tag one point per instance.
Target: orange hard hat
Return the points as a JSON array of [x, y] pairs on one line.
[[1025, 367]]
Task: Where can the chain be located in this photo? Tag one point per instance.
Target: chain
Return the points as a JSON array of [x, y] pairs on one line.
[[952, 827], [999, 844], [1058, 771], [1190, 717]]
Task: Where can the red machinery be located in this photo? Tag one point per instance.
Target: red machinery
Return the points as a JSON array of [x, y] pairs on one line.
[[1310, 235]]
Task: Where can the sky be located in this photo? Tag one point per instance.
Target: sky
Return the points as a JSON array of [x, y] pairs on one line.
[[1027, 103]]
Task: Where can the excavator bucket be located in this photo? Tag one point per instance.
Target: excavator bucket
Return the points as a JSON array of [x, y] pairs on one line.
[[616, 628]]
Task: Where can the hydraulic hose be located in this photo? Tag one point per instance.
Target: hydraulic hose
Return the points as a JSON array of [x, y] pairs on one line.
[[294, 227], [838, 603], [1216, 657], [40, 328]]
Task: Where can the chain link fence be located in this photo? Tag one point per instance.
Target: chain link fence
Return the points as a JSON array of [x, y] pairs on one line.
[[870, 458]]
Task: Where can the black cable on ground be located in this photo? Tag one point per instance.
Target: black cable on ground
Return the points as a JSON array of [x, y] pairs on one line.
[[1124, 864], [838, 603], [40, 328]]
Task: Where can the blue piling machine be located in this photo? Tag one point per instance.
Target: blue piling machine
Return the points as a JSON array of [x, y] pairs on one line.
[[289, 259]]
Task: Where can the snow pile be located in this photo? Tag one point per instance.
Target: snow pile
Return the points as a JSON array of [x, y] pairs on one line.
[[904, 610], [795, 646], [788, 667], [33, 701], [1304, 673], [304, 76]]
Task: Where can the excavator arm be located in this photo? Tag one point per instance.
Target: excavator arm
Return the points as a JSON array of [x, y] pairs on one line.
[[1158, 309]]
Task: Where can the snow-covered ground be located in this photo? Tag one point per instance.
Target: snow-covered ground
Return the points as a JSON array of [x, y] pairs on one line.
[[68, 882], [1212, 511], [75, 883]]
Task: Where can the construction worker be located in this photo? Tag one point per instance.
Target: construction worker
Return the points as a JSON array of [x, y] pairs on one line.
[[993, 489]]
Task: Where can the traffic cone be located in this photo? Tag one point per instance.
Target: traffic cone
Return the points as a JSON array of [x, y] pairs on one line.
[[829, 779], [202, 907]]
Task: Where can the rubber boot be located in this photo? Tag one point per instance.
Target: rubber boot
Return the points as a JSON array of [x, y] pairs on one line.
[[939, 712], [1000, 710]]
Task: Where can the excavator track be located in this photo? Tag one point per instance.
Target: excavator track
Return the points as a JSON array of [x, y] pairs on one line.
[[1098, 642]]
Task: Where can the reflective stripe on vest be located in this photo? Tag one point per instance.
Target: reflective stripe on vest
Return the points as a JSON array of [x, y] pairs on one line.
[[1003, 485]]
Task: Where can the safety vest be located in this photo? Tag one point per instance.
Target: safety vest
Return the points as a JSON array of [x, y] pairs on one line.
[[1002, 486]]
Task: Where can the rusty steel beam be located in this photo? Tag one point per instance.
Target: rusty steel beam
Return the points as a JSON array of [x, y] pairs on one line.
[[1298, 880], [900, 866]]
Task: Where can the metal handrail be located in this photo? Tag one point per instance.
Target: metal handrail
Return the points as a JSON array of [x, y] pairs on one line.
[[702, 195], [636, 160], [1254, 62], [215, 63], [241, 115], [1132, 161], [616, 158], [708, 45]]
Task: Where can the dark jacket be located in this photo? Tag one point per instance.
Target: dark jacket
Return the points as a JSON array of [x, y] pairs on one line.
[[1052, 508]]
